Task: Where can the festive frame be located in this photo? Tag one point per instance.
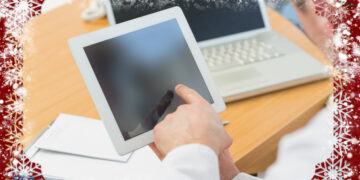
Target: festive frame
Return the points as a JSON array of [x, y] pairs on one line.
[[344, 16]]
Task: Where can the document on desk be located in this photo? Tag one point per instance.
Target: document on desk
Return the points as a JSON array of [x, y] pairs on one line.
[[79, 136], [75, 147], [57, 166]]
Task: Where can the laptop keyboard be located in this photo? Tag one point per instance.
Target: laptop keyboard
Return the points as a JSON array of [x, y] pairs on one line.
[[238, 53]]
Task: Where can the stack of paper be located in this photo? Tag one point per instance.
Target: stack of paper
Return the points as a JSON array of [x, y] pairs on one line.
[[79, 148]]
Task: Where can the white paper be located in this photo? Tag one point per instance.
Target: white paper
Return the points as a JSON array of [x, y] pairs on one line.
[[65, 166], [79, 136]]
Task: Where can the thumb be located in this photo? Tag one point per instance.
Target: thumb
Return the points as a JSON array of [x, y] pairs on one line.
[[189, 95]]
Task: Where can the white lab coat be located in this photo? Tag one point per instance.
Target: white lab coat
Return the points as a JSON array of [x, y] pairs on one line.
[[298, 154], [190, 162], [300, 151]]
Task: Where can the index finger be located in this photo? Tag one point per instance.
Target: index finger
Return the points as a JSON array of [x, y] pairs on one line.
[[189, 95]]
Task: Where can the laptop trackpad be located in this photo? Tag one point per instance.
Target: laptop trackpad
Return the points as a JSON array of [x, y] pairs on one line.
[[238, 77]]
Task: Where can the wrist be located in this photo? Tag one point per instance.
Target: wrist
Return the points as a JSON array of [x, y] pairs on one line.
[[215, 149], [232, 173]]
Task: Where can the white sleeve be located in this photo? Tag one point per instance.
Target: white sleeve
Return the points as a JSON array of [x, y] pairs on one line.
[[243, 176], [300, 151], [189, 162]]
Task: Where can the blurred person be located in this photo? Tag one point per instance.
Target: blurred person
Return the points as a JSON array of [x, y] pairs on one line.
[[193, 144], [317, 28], [298, 152]]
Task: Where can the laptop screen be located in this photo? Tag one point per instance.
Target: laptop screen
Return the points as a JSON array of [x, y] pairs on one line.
[[207, 19]]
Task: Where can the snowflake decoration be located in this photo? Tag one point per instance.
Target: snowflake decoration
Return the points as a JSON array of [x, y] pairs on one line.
[[14, 14], [18, 12], [14, 106], [198, 4], [347, 70], [341, 126], [341, 106], [335, 168], [342, 16], [13, 142], [21, 168], [343, 141], [332, 10], [339, 79], [12, 68]]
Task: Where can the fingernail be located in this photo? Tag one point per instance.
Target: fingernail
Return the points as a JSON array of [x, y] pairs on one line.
[[177, 87]]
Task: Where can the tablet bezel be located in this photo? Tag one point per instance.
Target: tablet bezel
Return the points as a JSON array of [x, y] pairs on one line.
[[77, 45]]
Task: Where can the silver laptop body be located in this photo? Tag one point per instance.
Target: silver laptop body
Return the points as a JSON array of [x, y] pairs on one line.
[[253, 61]]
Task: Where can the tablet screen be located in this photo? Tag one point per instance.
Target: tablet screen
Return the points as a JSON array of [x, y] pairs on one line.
[[138, 71]]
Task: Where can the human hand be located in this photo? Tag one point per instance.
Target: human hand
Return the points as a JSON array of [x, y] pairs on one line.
[[228, 169], [156, 151], [194, 122]]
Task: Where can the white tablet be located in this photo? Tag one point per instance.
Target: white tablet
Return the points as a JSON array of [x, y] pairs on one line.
[[131, 70]]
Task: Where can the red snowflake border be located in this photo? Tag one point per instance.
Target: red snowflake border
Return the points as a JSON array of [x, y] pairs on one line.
[[343, 16], [13, 162], [343, 163]]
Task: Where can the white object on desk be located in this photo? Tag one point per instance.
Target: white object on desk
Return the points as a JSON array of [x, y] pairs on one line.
[[67, 166], [79, 136], [94, 11], [50, 5], [75, 147]]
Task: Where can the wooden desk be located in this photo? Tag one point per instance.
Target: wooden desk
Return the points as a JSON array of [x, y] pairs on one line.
[[54, 86]]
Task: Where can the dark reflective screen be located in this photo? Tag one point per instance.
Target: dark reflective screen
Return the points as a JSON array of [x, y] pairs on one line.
[[138, 72]]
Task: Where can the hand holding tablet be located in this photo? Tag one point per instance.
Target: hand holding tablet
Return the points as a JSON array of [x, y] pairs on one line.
[[131, 70], [194, 122]]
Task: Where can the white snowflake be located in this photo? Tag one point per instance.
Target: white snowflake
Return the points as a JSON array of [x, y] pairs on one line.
[[341, 106], [341, 126], [335, 168], [22, 168], [17, 13], [342, 142]]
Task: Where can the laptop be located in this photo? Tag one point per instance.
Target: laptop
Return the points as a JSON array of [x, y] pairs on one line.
[[246, 58]]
